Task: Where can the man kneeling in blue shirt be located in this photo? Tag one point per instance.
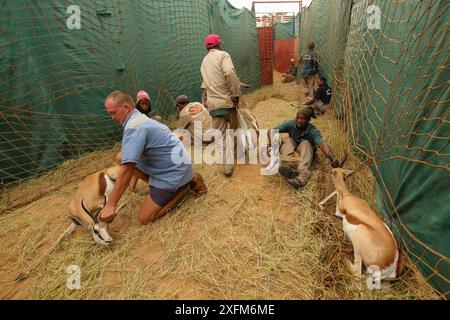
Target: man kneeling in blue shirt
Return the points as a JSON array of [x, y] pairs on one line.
[[303, 140], [149, 150]]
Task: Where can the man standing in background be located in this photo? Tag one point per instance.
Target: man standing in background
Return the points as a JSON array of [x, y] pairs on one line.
[[310, 69], [221, 91]]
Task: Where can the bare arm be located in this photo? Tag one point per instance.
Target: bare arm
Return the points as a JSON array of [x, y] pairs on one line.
[[327, 151], [108, 213]]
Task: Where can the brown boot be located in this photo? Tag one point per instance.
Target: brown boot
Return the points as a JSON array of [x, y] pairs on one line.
[[198, 184], [296, 183], [287, 172]]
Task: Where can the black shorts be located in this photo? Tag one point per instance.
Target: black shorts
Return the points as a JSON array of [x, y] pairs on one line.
[[163, 196]]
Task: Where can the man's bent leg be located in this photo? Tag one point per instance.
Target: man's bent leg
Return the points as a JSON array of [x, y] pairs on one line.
[[287, 147], [319, 107], [289, 78], [160, 201], [306, 157], [148, 211], [153, 203]]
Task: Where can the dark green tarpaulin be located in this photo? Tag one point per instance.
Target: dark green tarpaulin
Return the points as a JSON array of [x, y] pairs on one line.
[[54, 79], [287, 30]]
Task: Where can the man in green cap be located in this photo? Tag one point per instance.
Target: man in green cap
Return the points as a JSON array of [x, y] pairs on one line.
[[300, 145]]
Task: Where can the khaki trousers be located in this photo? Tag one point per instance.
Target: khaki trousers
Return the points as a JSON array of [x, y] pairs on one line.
[[305, 154], [221, 123]]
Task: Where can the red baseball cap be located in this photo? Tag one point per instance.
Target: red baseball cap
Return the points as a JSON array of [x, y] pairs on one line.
[[212, 40]]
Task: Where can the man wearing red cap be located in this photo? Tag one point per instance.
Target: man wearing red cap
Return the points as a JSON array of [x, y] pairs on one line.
[[221, 89]]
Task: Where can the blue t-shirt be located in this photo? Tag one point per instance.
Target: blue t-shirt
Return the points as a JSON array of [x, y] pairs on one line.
[[312, 134], [156, 151]]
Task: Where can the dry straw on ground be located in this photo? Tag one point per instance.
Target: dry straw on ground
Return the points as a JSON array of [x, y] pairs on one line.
[[251, 237]]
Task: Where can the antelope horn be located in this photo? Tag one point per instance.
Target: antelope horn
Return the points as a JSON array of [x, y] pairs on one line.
[[344, 159]]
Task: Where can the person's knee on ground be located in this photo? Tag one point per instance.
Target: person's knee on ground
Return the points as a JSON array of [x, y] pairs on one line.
[[148, 211], [151, 211]]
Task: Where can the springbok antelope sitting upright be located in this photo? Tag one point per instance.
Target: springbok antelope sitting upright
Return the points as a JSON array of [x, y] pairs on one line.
[[373, 242]]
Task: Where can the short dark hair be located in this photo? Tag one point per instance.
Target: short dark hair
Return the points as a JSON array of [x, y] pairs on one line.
[[323, 79]]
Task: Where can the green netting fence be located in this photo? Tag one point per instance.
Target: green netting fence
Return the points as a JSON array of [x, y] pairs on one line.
[[54, 77], [287, 30], [391, 84]]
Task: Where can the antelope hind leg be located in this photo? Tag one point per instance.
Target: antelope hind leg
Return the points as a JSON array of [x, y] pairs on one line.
[[357, 265]]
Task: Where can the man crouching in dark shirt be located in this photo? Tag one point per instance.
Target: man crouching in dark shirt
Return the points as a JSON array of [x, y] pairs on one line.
[[322, 97]]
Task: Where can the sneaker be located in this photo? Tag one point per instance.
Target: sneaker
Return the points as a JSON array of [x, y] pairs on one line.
[[287, 172], [295, 183]]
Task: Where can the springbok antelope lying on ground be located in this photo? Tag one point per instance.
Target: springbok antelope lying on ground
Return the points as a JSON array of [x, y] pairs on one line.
[[90, 197], [373, 242]]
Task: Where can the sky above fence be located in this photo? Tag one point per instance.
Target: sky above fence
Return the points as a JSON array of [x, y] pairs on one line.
[[270, 7]]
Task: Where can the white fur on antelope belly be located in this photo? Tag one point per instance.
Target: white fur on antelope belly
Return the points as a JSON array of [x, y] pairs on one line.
[[348, 228]]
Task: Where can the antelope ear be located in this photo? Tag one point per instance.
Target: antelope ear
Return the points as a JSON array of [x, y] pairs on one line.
[[101, 184], [348, 172]]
